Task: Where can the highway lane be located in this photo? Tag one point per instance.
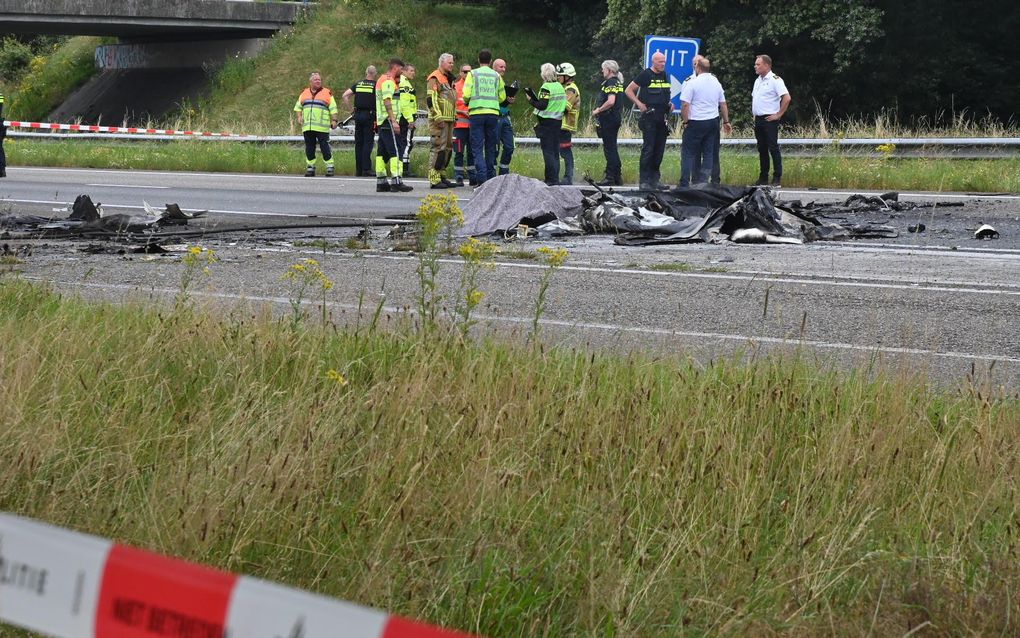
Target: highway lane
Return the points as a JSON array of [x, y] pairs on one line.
[[938, 302], [222, 194]]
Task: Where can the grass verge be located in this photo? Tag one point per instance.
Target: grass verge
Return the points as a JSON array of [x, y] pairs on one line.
[[51, 78], [508, 489], [832, 170]]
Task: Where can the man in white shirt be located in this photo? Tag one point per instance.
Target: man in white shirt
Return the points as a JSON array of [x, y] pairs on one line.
[[769, 101], [703, 101]]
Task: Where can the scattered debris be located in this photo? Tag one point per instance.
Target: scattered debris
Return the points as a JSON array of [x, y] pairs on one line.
[[707, 214], [87, 220], [916, 228], [985, 231]]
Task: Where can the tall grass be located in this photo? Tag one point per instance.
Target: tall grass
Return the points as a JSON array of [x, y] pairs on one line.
[[51, 78], [827, 170], [513, 489]]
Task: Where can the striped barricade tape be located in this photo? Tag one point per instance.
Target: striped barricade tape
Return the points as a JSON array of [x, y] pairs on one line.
[[89, 128], [71, 585]]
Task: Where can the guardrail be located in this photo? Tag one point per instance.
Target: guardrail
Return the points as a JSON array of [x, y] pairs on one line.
[[50, 130], [899, 142]]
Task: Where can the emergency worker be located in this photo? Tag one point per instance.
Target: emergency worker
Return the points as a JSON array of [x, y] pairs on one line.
[[566, 75], [316, 114], [387, 108], [3, 136], [462, 135], [607, 117], [408, 113], [549, 104], [505, 127], [363, 111], [649, 92], [769, 101], [483, 92], [441, 101]]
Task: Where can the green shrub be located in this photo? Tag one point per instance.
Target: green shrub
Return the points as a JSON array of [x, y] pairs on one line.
[[15, 56]]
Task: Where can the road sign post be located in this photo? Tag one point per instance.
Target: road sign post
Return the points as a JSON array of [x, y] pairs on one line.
[[679, 54]]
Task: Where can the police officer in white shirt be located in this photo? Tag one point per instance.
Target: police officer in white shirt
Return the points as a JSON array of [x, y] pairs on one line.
[[769, 101], [703, 101]]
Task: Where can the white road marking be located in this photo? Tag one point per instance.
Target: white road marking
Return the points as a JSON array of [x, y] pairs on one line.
[[610, 327], [130, 186], [762, 277], [190, 210]]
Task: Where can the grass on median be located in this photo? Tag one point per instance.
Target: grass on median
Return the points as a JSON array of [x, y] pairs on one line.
[[832, 170], [508, 489]]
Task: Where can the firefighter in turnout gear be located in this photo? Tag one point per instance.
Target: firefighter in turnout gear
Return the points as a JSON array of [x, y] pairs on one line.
[[317, 114], [363, 111], [442, 104], [566, 74], [408, 113], [387, 109]]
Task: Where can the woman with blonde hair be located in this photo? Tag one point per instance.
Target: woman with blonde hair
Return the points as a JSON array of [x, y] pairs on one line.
[[550, 103], [607, 116]]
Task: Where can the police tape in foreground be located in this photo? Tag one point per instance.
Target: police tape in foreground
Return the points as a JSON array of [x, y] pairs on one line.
[[134, 130], [71, 585]]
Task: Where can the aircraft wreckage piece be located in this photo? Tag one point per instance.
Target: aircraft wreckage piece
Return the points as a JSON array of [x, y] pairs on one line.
[[87, 218], [712, 213]]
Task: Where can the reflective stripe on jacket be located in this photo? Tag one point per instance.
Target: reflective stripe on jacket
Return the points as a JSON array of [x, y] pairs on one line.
[[317, 110], [573, 107], [557, 100], [386, 89], [483, 91], [408, 100], [462, 109], [444, 97]]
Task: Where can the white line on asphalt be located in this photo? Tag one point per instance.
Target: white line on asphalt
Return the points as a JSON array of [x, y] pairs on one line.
[[933, 195], [610, 327], [129, 186], [765, 278], [191, 210]]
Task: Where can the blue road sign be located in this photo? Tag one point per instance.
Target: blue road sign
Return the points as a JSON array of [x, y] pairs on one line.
[[679, 54]]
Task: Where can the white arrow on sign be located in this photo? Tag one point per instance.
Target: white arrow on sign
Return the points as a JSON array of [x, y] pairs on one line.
[[675, 86]]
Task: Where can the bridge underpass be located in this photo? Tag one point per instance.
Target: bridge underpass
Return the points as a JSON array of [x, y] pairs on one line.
[[165, 48]]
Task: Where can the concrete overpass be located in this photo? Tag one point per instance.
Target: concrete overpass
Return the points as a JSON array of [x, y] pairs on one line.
[[149, 20]]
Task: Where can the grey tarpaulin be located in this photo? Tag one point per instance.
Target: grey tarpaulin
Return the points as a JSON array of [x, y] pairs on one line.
[[704, 214], [508, 200]]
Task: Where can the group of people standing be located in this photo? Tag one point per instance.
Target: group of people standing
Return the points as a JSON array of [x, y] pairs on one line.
[[470, 125]]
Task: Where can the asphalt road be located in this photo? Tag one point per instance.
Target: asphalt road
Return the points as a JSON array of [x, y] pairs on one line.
[[940, 301]]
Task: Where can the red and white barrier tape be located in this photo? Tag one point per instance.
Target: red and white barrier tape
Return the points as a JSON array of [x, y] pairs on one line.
[[71, 585], [87, 128]]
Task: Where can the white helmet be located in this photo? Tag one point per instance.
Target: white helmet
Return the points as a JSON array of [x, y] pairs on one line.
[[566, 69]]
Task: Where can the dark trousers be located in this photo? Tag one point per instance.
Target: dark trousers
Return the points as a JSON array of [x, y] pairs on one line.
[[698, 150], [567, 154], [505, 135], [313, 138], [364, 135], [462, 144], [609, 133], [548, 133], [483, 145], [716, 170], [405, 142], [653, 135], [767, 135]]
